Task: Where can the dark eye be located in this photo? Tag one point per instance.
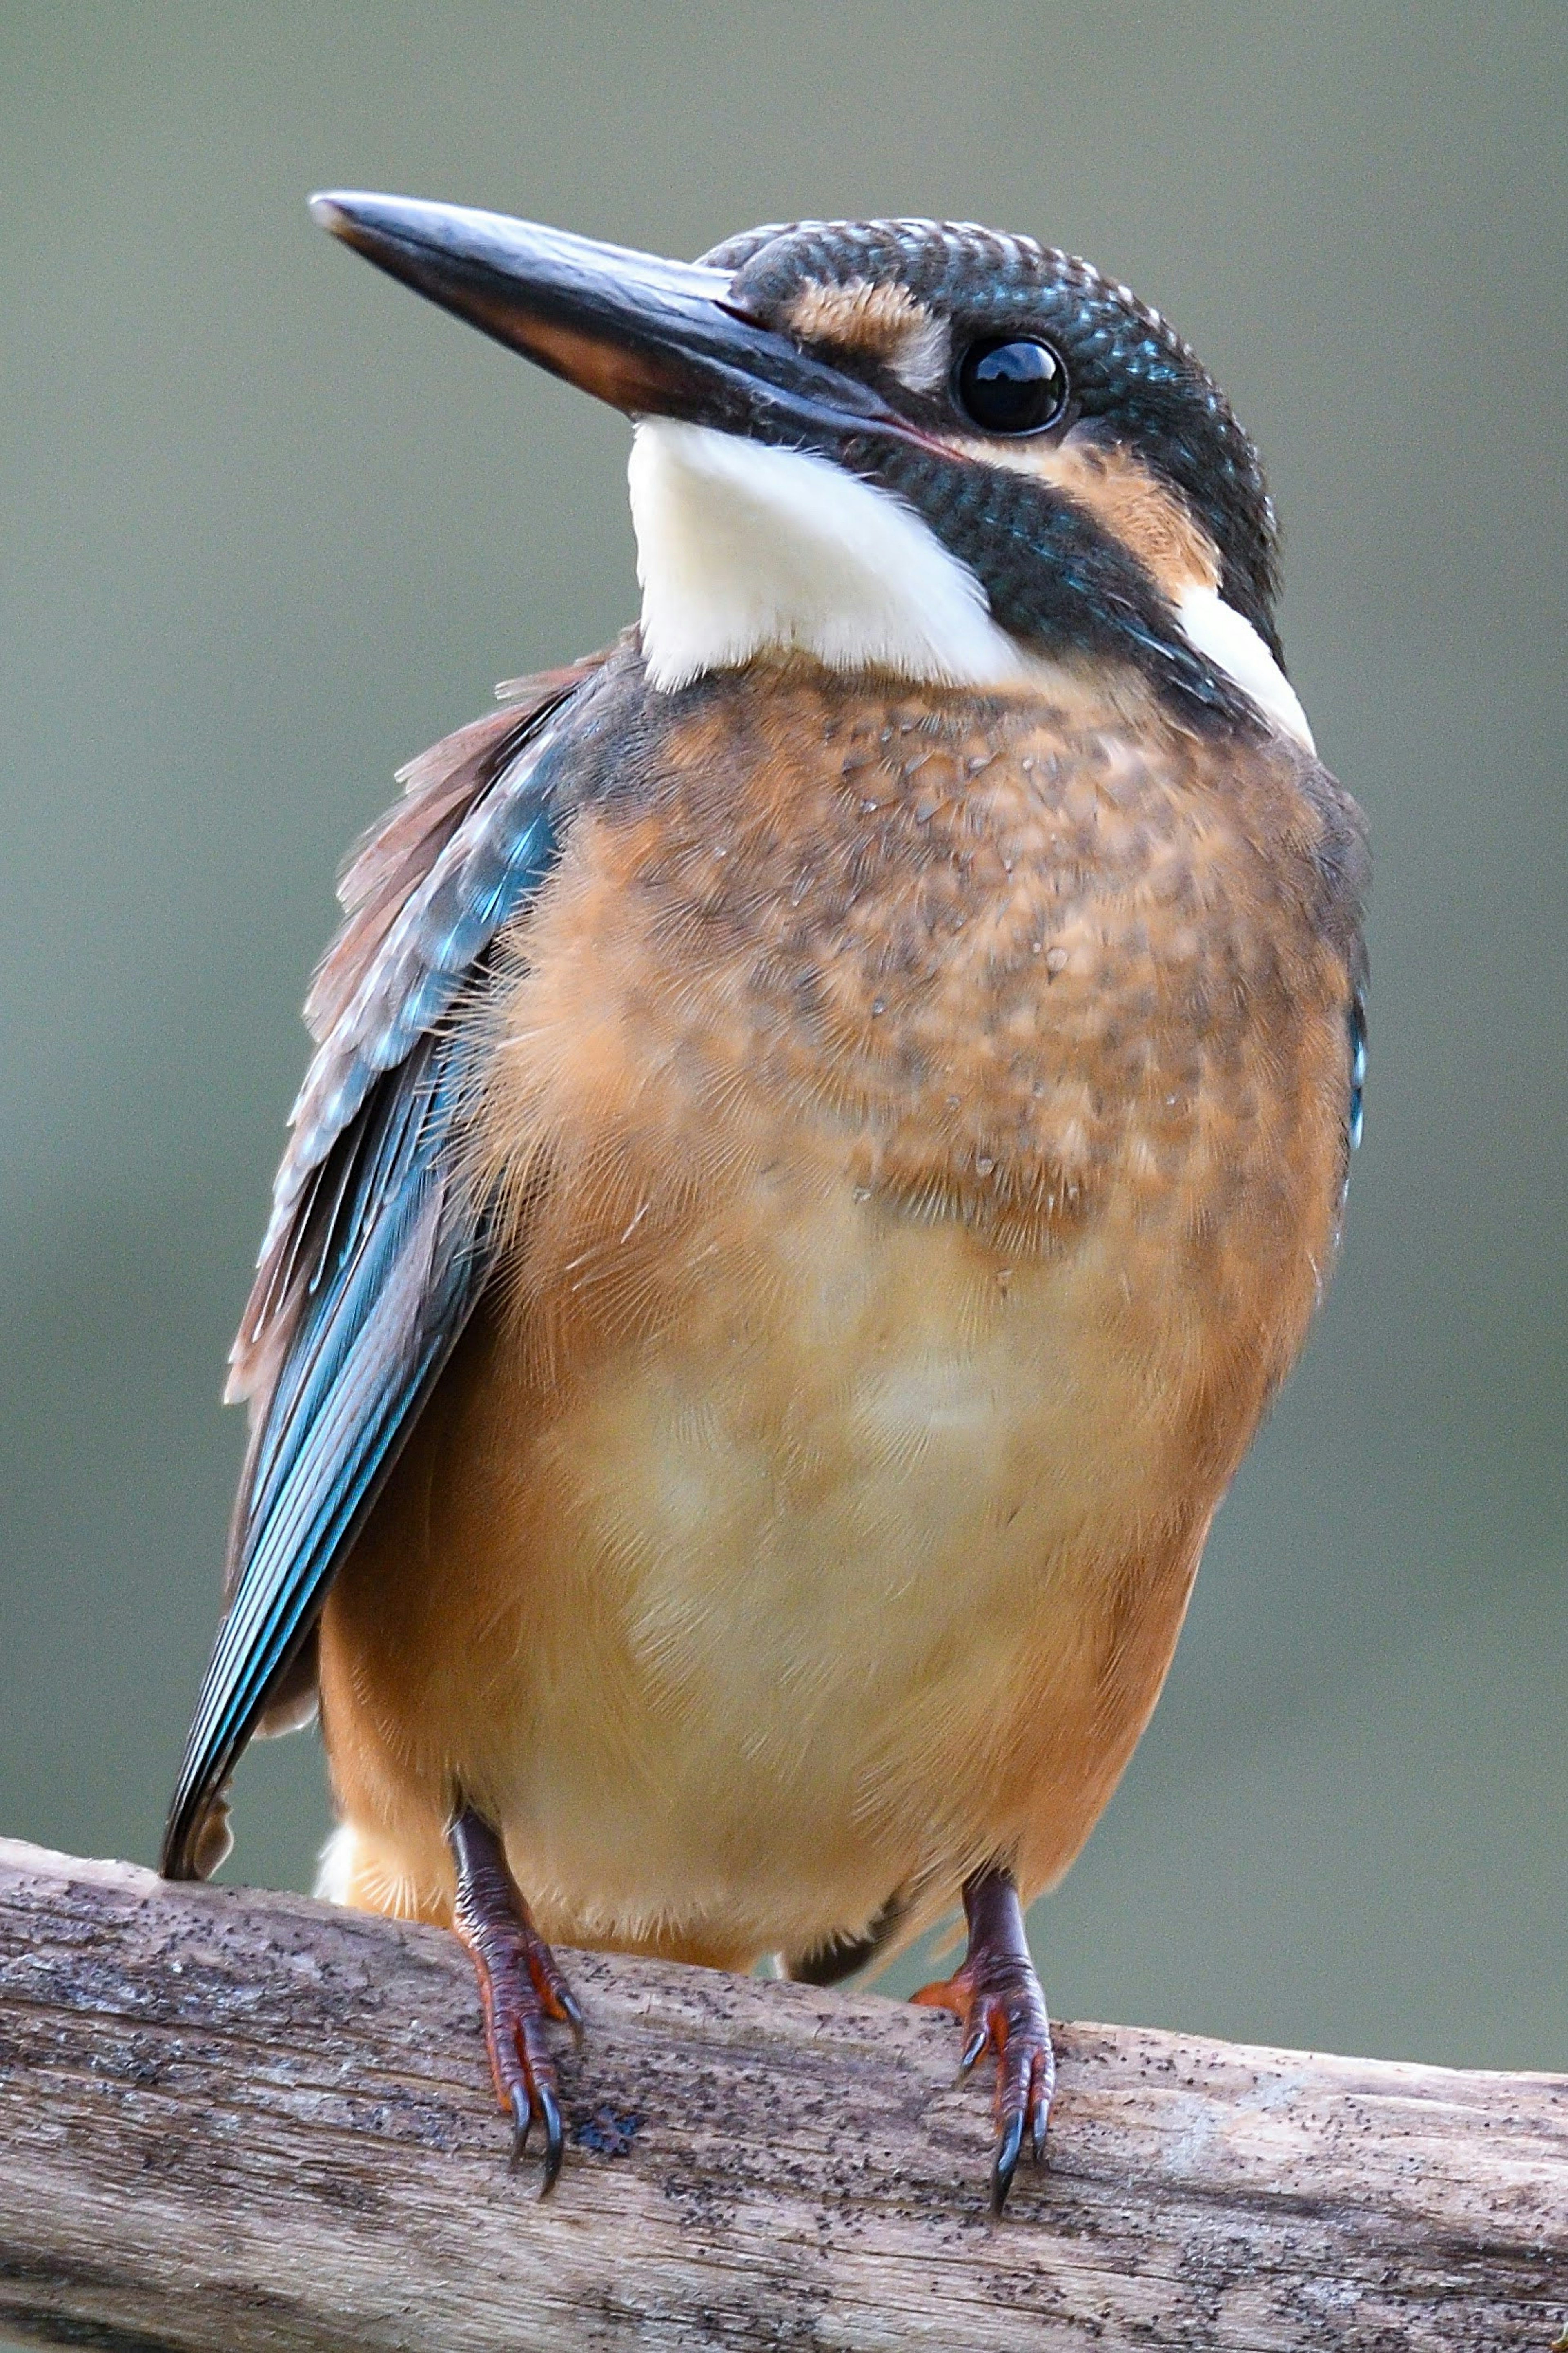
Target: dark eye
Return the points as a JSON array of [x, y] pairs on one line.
[[1011, 387]]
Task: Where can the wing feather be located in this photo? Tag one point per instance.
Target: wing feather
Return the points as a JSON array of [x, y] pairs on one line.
[[375, 1254]]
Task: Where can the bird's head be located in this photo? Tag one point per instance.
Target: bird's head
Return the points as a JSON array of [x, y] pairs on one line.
[[912, 446]]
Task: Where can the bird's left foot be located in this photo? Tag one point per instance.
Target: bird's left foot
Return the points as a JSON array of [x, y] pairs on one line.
[[998, 1995]]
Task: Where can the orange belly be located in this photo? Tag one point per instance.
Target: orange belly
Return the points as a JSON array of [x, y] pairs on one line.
[[922, 1152]]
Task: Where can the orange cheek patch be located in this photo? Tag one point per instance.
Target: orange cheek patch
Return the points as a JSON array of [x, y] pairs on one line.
[[1154, 523]]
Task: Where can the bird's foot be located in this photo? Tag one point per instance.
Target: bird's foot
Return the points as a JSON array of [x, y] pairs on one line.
[[998, 1995], [520, 1985]]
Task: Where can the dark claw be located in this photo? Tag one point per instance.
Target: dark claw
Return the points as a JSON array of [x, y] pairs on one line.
[[575, 2018], [1007, 2164], [554, 2139], [521, 2122], [972, 2051]]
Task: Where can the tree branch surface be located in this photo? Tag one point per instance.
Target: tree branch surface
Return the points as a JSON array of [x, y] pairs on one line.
[[249, 2123]]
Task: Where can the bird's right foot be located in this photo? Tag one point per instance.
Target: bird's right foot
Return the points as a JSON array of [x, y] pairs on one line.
[[998, 1995], [521, 1984]]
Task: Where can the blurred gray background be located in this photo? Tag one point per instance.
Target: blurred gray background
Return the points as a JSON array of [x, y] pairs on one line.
[[269, 525]]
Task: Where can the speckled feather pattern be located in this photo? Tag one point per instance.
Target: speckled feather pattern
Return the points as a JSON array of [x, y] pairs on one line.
[[917, 1126]]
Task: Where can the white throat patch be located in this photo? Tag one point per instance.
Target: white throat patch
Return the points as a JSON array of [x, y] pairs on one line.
[[744, 549]]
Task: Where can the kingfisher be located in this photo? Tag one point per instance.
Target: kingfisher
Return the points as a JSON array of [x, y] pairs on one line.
[[828, 1125]]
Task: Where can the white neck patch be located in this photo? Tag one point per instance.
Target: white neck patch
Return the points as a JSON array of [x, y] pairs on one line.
[[745, 549], [1227, 639]]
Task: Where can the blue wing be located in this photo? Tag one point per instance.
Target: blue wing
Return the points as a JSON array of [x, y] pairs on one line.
[[374, 1256]]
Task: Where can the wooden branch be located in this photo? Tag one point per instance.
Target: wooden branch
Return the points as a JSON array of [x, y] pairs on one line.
[[248, 2122]]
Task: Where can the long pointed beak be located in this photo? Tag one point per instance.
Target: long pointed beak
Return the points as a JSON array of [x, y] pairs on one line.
[[652, 337]]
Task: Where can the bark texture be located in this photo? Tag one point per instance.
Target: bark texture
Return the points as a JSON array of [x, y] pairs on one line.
[[247, 2121]]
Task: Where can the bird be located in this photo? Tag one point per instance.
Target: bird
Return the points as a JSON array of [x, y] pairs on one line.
[[828, 1124]]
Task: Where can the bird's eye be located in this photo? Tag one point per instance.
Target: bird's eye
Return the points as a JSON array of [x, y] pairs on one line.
[[1011, 386]]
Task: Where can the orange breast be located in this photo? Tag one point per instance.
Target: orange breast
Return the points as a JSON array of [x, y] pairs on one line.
[[920, 1122]]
